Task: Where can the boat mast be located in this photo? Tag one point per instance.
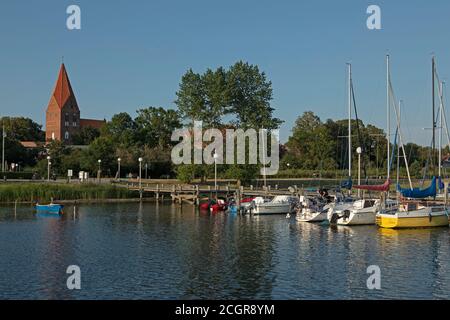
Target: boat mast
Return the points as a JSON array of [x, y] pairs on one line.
[[398, 144], [434, 122], [388, 129], [349, 120], [440, 129]]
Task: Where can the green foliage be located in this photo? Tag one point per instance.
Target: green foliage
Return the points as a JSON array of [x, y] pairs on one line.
[[242, 92], [32, 192], [85, 136], [22, 129], [155, 126]]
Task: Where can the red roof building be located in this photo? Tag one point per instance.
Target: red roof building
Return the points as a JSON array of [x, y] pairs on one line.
[[63, 114]]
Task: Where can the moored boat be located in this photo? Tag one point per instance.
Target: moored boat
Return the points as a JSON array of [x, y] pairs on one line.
[[414, 215], [52, 208], [278, 205]]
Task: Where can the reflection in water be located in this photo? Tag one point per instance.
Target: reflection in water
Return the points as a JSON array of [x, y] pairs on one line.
[[168, 251]]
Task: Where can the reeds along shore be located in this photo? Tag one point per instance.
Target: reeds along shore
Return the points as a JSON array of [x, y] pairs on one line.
[[32, 192]]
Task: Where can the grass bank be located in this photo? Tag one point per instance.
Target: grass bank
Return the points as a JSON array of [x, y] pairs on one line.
[[42, 192]]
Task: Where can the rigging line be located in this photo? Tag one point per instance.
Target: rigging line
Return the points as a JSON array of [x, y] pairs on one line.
[[400, 133], [361, 143]]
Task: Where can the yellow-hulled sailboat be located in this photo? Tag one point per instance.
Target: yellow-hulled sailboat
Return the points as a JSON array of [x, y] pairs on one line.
[[414, 215], [413, 210]]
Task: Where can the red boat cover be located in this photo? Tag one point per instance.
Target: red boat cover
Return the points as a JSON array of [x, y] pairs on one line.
[[381, 187]]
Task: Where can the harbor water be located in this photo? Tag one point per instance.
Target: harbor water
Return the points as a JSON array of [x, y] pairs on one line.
[[166, 251]]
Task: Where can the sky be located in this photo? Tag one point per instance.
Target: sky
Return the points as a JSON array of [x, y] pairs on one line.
[[132, 54]]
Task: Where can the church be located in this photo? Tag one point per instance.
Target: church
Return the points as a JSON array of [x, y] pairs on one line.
[[63, 114]]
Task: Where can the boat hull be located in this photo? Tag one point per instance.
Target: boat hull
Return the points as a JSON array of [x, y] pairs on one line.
[[412, 220], [358, 218], [266, 209], [312, 216], [50, 209]]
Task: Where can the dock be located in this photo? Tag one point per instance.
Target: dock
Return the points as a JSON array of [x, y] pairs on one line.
[[193, 194]]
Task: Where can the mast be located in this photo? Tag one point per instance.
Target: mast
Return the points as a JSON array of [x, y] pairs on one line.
[[264, 155], [434, 122], [440, 129], [398, 144], [349, 120], [388, 129]]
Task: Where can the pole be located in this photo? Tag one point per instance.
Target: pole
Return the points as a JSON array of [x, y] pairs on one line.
[[388, 114], [349, 120], [118, 169], [434, 122], [48, 170], [359, 173], [440, 130], [146, 167], [398, 144], [140, 178], [3, 145]]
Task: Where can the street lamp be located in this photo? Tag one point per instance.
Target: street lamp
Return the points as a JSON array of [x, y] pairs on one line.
[[48, 168], [118, 168], [99, 170], [359, 151], [140, 177]]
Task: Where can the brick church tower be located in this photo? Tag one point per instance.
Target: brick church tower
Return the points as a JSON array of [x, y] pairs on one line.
[[63, 115]]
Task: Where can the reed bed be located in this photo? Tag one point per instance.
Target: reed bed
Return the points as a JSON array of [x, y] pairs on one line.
[[32, 192]]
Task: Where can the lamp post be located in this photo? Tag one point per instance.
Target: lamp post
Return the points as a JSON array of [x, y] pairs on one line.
[[99, 170], [48, 168], [359, 151], [140, 177], [118, 168]]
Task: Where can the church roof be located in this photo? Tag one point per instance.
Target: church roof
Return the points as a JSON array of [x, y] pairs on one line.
[[63, 90]]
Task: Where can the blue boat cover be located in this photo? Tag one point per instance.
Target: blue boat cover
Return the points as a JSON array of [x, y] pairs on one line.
[[347, 184], [441, 184], [418, 193]]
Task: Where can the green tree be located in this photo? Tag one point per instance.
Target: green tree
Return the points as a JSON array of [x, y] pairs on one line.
[[250, 94], [85, 136], [155, 126]]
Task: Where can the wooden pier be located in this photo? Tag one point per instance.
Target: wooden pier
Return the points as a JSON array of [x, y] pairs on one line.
[[193, 194]]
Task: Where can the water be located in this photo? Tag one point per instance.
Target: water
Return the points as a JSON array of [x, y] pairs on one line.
[[150, 251]]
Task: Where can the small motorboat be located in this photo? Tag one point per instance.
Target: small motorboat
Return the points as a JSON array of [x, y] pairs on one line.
[[278, 205], [51, 208]]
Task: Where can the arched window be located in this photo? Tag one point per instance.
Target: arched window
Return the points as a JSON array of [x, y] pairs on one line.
[[66, 135], [53, 136]]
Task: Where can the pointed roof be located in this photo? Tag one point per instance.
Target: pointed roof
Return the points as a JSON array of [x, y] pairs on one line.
[[63, 90]]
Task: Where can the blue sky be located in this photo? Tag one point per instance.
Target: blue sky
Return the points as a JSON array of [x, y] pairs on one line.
[[132, 54]]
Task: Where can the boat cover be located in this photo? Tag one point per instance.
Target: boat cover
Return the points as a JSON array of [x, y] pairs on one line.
[[418, 193]]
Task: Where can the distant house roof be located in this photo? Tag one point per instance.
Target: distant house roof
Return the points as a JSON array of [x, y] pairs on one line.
[[31, 144], [92, 123]]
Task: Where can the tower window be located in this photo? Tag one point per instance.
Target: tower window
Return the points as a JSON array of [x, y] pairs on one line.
[[66, 135]]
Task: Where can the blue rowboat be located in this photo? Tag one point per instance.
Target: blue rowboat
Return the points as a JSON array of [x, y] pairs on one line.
[[52, 208]]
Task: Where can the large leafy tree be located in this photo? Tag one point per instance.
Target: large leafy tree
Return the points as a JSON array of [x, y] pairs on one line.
[[22, 129], [121, 129], [250, 94], [155, 126], [241, 94]]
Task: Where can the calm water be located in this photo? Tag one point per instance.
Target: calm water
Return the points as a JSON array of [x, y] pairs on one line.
[[154, 251]]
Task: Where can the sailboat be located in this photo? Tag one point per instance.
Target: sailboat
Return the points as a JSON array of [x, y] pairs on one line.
[[361, 211], [418, 208]]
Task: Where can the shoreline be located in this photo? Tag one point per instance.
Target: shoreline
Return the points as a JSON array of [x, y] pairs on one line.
[[86, 201]]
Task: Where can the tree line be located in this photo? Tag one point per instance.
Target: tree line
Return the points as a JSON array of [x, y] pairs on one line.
[[240, 96]]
